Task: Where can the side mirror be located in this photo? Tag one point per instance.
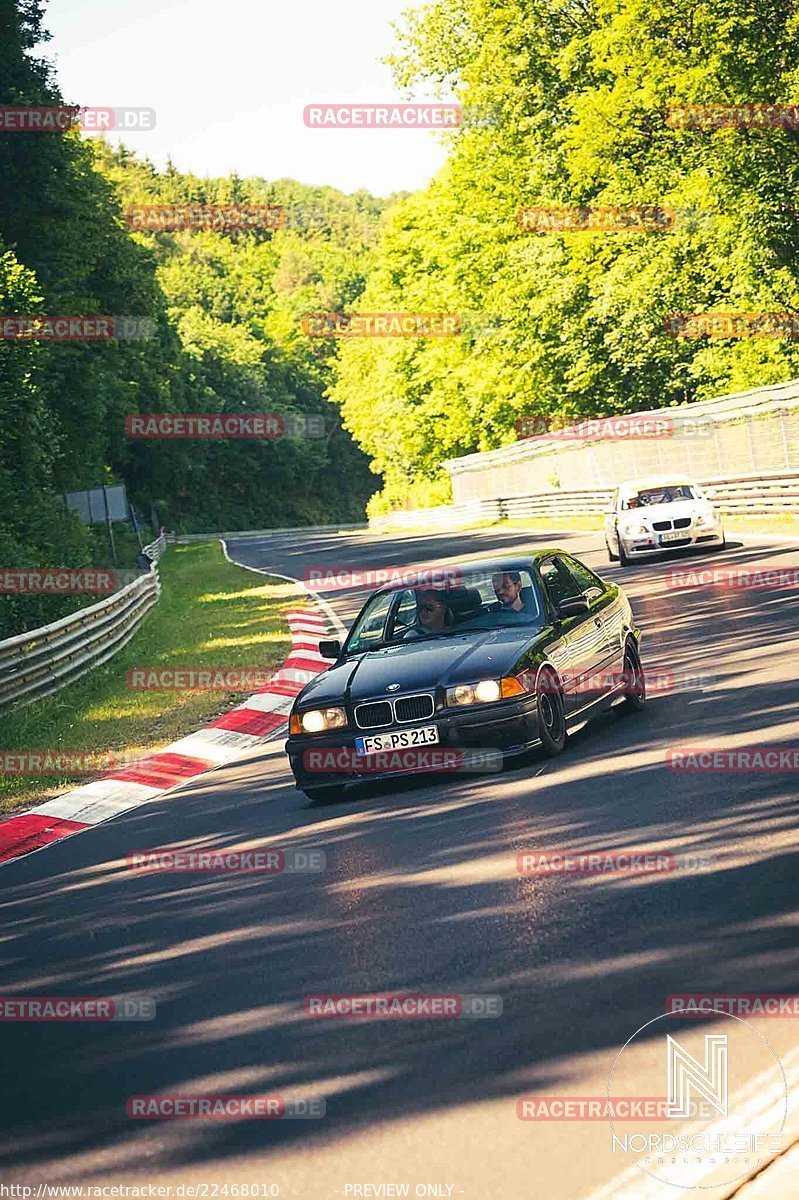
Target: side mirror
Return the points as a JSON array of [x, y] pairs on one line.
[[573, 606], [331, 649]]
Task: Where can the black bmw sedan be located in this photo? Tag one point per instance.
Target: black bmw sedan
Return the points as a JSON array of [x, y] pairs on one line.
[[508, 656]]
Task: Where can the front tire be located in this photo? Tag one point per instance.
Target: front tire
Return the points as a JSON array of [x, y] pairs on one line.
[[551, 714], [623, 557], [611, 556], [635, 691]]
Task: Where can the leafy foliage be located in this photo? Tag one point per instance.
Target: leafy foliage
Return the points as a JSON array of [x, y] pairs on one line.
[[226, 309], [577, 93]]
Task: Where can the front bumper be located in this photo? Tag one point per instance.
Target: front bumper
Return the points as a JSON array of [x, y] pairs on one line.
[[510, 726], [690, 539]]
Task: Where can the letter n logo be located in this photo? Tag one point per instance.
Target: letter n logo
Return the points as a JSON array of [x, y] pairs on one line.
[[708, 1080]]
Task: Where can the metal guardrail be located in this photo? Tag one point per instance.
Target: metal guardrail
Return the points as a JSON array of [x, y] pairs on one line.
[[155, 549], [753, 433], [42, 661], [180, 539], [757, 495]]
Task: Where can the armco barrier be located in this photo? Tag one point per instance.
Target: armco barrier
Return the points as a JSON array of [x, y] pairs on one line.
[[42, 661], [757, 495], [753, 434], [156, 548], [180, 539]]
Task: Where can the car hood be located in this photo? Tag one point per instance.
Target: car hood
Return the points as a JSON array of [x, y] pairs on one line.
[[420, 666], [664, 512]]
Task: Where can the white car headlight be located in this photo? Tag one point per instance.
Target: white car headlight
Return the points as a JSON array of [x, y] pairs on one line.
[[318, 720], [634, 529], [707, 517], [484, 692]]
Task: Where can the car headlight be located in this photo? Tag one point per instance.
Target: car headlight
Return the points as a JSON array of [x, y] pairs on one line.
[[486, 691], [634, 530], [318, 720], [708, 517]]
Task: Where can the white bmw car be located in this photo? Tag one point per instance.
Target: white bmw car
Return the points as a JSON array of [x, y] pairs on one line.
[[651, 516]]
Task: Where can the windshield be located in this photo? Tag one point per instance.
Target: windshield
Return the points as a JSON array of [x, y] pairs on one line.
[[660, 495], [479, 601]]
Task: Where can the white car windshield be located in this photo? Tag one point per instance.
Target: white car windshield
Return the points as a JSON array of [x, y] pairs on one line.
[[660, 495]]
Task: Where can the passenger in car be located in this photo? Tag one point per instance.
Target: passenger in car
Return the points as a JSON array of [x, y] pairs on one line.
[[508, 591]]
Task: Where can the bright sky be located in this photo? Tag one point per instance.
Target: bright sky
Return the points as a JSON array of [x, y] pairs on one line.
[[229, 81]]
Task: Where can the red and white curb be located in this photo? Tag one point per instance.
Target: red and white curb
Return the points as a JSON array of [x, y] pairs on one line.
[[232, 735]]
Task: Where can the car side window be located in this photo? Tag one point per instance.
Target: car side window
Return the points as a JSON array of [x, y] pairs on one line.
[[558, 583], [369, 629], [587, 583], [404, 614]]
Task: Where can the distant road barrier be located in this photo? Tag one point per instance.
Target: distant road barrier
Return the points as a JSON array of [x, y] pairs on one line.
[[155, 549], [42, 661], [748, 494], [180, 539]]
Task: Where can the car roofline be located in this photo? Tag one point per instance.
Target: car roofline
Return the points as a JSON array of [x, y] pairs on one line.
[[516, 563]]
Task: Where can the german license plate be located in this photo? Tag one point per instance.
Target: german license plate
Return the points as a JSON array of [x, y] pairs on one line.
[[675, 536], [426, 735]]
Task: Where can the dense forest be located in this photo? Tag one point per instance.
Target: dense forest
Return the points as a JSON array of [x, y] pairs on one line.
[[556, 324], [225, 308]]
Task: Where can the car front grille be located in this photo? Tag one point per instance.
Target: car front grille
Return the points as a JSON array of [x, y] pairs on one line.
[[677, 542], [413, 708], [682, 522], [660, 526], [370, 716], [375, 713]]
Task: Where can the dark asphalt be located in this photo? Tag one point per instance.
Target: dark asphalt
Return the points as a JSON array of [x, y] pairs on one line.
[[420, 895]]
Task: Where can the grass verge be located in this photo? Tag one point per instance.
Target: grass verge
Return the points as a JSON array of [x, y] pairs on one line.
[[211, 614]]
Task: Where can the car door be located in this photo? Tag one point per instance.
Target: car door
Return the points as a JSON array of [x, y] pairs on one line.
[[606, 609], [582, 635], [611, 523]]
